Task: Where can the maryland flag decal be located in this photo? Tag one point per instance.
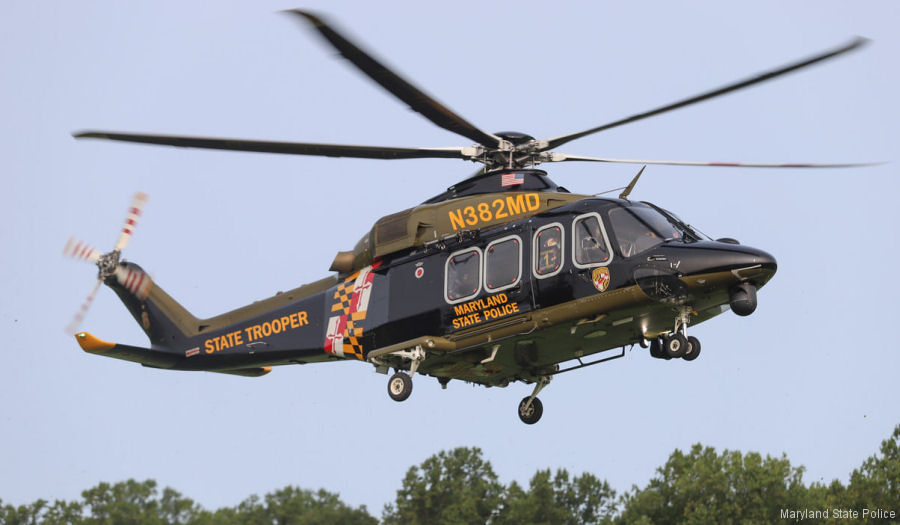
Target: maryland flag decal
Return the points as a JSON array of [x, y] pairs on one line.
[[351, 302]]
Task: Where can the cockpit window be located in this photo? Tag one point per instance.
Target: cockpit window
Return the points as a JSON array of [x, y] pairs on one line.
[[691, 232], [463, 275], [638, 228], [590, 246]]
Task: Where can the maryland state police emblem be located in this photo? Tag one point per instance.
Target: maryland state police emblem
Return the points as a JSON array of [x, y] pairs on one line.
[[600, 277]]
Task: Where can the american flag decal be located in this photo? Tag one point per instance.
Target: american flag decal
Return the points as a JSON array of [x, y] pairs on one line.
[[511, 179]]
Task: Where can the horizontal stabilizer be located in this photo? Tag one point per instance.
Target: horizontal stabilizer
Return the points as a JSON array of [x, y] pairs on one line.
[[246, 372], [144, 356], [153, 358]]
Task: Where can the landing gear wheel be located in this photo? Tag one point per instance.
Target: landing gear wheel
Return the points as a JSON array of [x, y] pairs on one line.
[[399, 386], [656, 348], [644, 342], [533, 413], [674, 345], [692, 350]]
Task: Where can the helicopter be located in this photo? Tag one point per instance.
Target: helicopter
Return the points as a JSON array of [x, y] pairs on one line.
[[504, 277]]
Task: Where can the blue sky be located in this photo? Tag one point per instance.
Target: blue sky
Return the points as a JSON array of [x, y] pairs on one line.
[[811, 374]]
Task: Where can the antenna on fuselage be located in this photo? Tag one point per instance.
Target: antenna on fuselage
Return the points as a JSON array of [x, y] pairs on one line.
[[624, 195]]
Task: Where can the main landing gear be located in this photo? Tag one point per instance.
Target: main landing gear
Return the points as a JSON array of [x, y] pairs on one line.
[[530, 408], [400, 384]]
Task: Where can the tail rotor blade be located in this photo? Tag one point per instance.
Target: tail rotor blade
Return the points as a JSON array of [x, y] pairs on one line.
[[73, 326], [134, 213], [81, 250]]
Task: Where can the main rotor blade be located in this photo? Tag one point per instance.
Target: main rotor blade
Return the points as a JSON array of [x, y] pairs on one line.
[[290, 148], [762, 77], [397, 86], [561, 157]]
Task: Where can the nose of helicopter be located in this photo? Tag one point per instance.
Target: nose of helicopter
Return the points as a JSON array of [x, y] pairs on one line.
[[748, 263]]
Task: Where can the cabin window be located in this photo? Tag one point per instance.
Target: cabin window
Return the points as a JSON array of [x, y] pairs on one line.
[[502, 264], [548, 250], [462, 275], [590, 247]]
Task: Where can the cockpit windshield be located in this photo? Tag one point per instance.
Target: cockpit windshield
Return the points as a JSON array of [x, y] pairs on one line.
[[690, 233], [640, 227]]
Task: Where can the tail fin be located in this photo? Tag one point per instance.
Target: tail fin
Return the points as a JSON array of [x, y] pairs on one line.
[[162, 318]]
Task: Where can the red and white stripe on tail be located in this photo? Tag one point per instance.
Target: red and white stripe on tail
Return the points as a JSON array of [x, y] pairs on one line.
[[134, 213], [134, 280]]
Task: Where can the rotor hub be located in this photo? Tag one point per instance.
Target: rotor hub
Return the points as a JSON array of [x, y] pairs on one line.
[[108, 263]]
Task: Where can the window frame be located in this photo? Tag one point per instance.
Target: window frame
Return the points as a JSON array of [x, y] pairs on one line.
[[479, 273], [536, 247], [485, 266], [609, 249]]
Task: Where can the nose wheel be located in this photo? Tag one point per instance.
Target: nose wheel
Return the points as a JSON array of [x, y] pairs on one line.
[[677, 343], [674, 346], [693, 349]]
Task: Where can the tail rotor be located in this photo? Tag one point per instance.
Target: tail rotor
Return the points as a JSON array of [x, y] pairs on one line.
[[129, 276]]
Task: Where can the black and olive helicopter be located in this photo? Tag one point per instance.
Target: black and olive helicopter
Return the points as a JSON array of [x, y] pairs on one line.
[[503, 277]]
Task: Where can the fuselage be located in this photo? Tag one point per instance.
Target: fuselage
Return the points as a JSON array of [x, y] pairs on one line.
[[493, 302]]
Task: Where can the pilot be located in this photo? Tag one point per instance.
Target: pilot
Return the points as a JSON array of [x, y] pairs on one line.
[[592, 250]]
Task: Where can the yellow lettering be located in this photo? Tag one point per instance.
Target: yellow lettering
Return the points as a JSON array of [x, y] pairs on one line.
[[301, 317], [471, 218], [285, 321], [266, 329], [209, 347], [249, 332], [257, 332], [499, 212], [456, 219], [516, 204], [237, 338], [484, 211], [455, 324], [532, 206]]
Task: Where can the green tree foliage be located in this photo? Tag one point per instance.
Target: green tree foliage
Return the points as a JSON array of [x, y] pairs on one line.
[[556, 499], [136, 502], [876, 484], [448, 488], [703, 486], [460, 487], [290, 506]]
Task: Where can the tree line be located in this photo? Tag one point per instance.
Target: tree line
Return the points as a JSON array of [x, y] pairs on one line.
[[459, 486]]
